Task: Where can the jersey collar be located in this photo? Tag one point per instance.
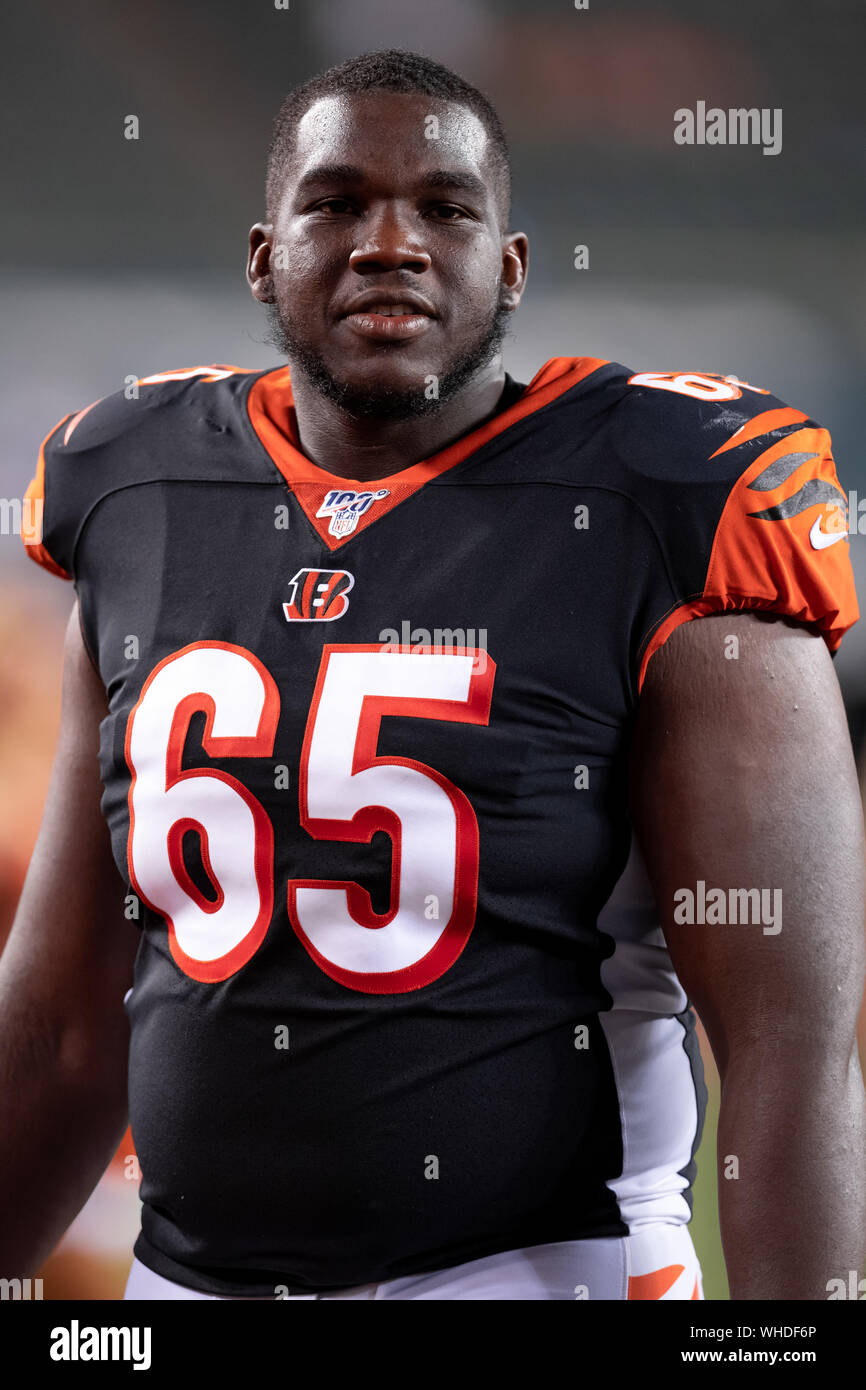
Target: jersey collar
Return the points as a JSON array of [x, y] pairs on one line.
[[340, 508]]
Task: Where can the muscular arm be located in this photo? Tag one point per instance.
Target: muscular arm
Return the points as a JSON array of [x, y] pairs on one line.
[[743, 776], [63, 975]]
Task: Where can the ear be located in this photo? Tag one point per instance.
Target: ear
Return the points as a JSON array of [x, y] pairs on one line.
[[259, 262], [515, 267]]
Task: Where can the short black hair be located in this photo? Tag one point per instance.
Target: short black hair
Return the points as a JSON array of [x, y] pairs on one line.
[[389, 70]]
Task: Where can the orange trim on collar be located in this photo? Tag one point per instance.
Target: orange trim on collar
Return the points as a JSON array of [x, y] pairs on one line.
[[270, 405]]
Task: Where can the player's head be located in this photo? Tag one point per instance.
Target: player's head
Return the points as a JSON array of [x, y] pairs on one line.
[[388, 175]]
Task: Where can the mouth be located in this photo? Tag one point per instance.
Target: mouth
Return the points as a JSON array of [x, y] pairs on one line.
[[388, 322]]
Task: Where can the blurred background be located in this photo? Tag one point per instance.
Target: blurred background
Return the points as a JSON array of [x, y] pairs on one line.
[[122, 257]]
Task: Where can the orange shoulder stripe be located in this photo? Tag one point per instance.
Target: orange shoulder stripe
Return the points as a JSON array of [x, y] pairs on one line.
[[31, 514], [76, 419], [750, 561], [762, 424]]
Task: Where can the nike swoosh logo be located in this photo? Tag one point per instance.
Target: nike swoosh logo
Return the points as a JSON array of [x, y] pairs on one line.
[[821, 539]]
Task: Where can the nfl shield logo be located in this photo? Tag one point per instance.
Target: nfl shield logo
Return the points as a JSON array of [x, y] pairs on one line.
[[345, 507]]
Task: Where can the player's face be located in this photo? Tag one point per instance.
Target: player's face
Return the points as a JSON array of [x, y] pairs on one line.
[[390, 276]]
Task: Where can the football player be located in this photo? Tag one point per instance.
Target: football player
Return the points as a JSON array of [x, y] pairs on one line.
[[435, 808]]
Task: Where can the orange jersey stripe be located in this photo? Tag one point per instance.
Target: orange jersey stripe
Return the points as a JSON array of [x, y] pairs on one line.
[[31, 519], [77, 418], [762, 424], [751, 559], [655, 1284]]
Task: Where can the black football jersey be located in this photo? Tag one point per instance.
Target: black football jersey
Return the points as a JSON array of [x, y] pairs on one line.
[[401, 998]]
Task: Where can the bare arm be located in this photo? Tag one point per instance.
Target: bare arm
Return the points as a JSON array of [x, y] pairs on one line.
[[744, 777], [66, 967]]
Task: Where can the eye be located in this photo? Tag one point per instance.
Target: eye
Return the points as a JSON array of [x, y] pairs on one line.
[[334, 205], [449, 212]]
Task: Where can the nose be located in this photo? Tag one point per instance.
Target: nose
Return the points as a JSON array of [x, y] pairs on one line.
[[388, 244]]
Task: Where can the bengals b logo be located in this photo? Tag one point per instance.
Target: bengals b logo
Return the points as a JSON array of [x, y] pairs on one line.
[[318, 595]]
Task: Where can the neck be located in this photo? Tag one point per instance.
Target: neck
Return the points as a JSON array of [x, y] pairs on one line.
[[351, 446]]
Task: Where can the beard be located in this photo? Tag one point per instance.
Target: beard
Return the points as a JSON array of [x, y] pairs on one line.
[[388, 402]]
